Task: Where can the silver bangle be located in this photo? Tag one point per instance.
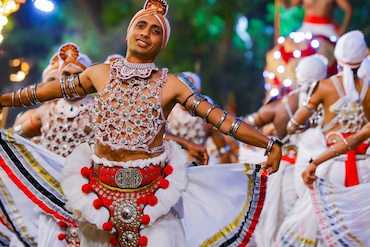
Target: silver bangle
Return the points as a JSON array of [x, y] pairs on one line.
[[33, 94], [221, 120], [347, 144], [13, 97], [208, 112], [63, 88], [198, 99], [271, 142], [334, 150], [28, 97], [19, 91], [234, 126]]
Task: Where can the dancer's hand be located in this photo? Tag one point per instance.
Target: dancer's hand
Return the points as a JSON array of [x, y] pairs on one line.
[[273, 159], [308, 175]]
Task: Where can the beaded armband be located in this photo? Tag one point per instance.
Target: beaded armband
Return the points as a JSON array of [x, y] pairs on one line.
[[69, 83], [271, 142]]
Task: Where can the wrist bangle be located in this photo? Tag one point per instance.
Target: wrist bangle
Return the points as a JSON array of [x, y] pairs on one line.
[[271, 142], [334, 150], [311, 161]]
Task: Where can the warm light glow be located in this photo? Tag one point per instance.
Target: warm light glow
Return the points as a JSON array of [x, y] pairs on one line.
[[6, 8], [25, 67], [15, 62], [17, 77]]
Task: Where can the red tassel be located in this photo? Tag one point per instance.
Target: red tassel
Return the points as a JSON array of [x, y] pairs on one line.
[[85, 171], [98, 203], [86, 188], [164, 183], [143, 241], [145, 219], [62, 224], [113, 240], [142, 200], [152, 200], [168, 170], [108, 226], [61, 236]]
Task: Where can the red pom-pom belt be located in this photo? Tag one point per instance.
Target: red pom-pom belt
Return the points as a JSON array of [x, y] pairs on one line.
[[127, 178], [126, 205]]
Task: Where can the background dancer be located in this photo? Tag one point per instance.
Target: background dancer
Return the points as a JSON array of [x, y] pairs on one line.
[[344, 101], [133, 100]]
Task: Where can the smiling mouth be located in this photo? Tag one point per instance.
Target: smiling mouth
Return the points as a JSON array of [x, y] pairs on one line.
[[142, 42]]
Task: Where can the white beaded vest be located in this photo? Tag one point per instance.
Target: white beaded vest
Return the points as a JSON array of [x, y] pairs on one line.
[[128, 112]]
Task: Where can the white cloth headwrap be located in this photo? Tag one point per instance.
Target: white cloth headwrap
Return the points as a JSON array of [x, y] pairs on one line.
[[350, 51], [364, 71], [311, 69]]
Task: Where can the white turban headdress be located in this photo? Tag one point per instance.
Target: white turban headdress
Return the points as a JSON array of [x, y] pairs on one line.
[[69, 54], [311, 68], [350, 51]]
